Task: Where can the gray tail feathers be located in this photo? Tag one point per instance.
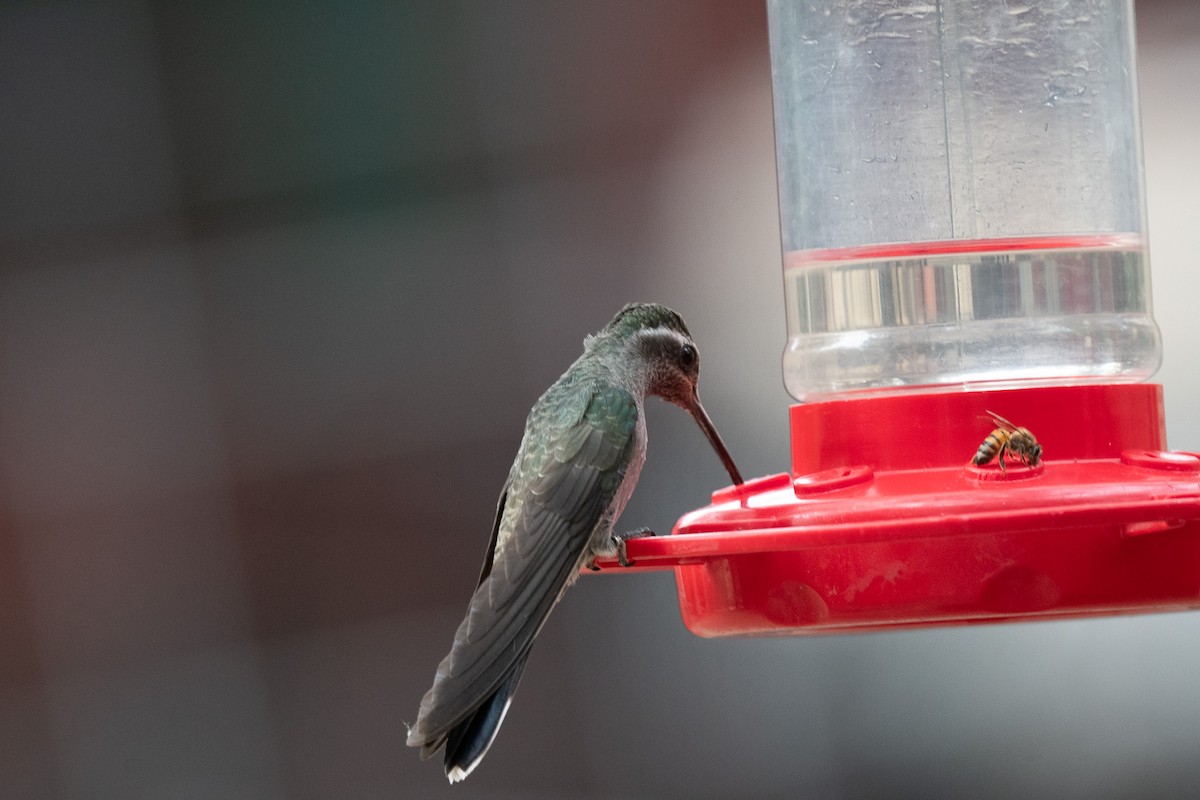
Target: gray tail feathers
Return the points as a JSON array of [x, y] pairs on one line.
[[469, 740]]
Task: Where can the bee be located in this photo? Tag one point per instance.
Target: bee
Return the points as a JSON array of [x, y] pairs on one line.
[[1008, 439]]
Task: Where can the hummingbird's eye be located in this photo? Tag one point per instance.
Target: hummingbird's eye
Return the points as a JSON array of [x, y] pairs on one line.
[[688, 356]]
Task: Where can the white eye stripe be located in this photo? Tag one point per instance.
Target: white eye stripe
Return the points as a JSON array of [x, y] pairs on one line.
[[661, 333]]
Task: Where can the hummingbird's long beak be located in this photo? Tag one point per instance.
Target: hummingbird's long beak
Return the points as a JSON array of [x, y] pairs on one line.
[[701, 416]]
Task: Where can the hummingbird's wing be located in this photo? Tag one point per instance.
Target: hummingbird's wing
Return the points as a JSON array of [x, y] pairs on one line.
[[560, 489], [491, 549]]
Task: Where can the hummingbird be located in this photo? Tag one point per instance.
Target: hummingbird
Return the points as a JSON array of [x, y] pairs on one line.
[[578, 463]]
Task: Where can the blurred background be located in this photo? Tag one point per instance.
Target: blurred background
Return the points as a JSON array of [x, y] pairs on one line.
[[278, 284]]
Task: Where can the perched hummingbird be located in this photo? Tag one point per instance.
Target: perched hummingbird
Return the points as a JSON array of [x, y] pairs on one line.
[[582, 452]]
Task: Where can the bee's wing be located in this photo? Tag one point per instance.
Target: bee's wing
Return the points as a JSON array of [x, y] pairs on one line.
[[1001, 422], [558, 493]]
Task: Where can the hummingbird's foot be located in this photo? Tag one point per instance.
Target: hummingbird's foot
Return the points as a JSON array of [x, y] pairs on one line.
[[620, 539], [592, 565]]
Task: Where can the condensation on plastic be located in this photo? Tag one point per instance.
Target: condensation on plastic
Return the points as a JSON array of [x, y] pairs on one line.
[[961, 195]]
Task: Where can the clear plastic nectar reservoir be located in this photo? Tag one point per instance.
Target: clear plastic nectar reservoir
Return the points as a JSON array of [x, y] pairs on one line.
[[961, 195]]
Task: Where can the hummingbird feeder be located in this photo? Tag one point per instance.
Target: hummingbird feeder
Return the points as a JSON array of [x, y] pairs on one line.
[[964, 236]]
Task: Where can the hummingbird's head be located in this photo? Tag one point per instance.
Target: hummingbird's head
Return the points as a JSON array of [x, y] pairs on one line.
[[656, 354]]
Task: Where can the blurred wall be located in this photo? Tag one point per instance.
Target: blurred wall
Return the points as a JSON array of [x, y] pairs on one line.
[[277, 285]]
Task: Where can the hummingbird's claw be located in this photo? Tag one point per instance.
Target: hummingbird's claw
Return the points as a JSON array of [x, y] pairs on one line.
[[620, 539], [592, 566]]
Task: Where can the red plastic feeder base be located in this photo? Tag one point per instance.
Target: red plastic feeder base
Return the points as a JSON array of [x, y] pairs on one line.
[[885, 521]]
